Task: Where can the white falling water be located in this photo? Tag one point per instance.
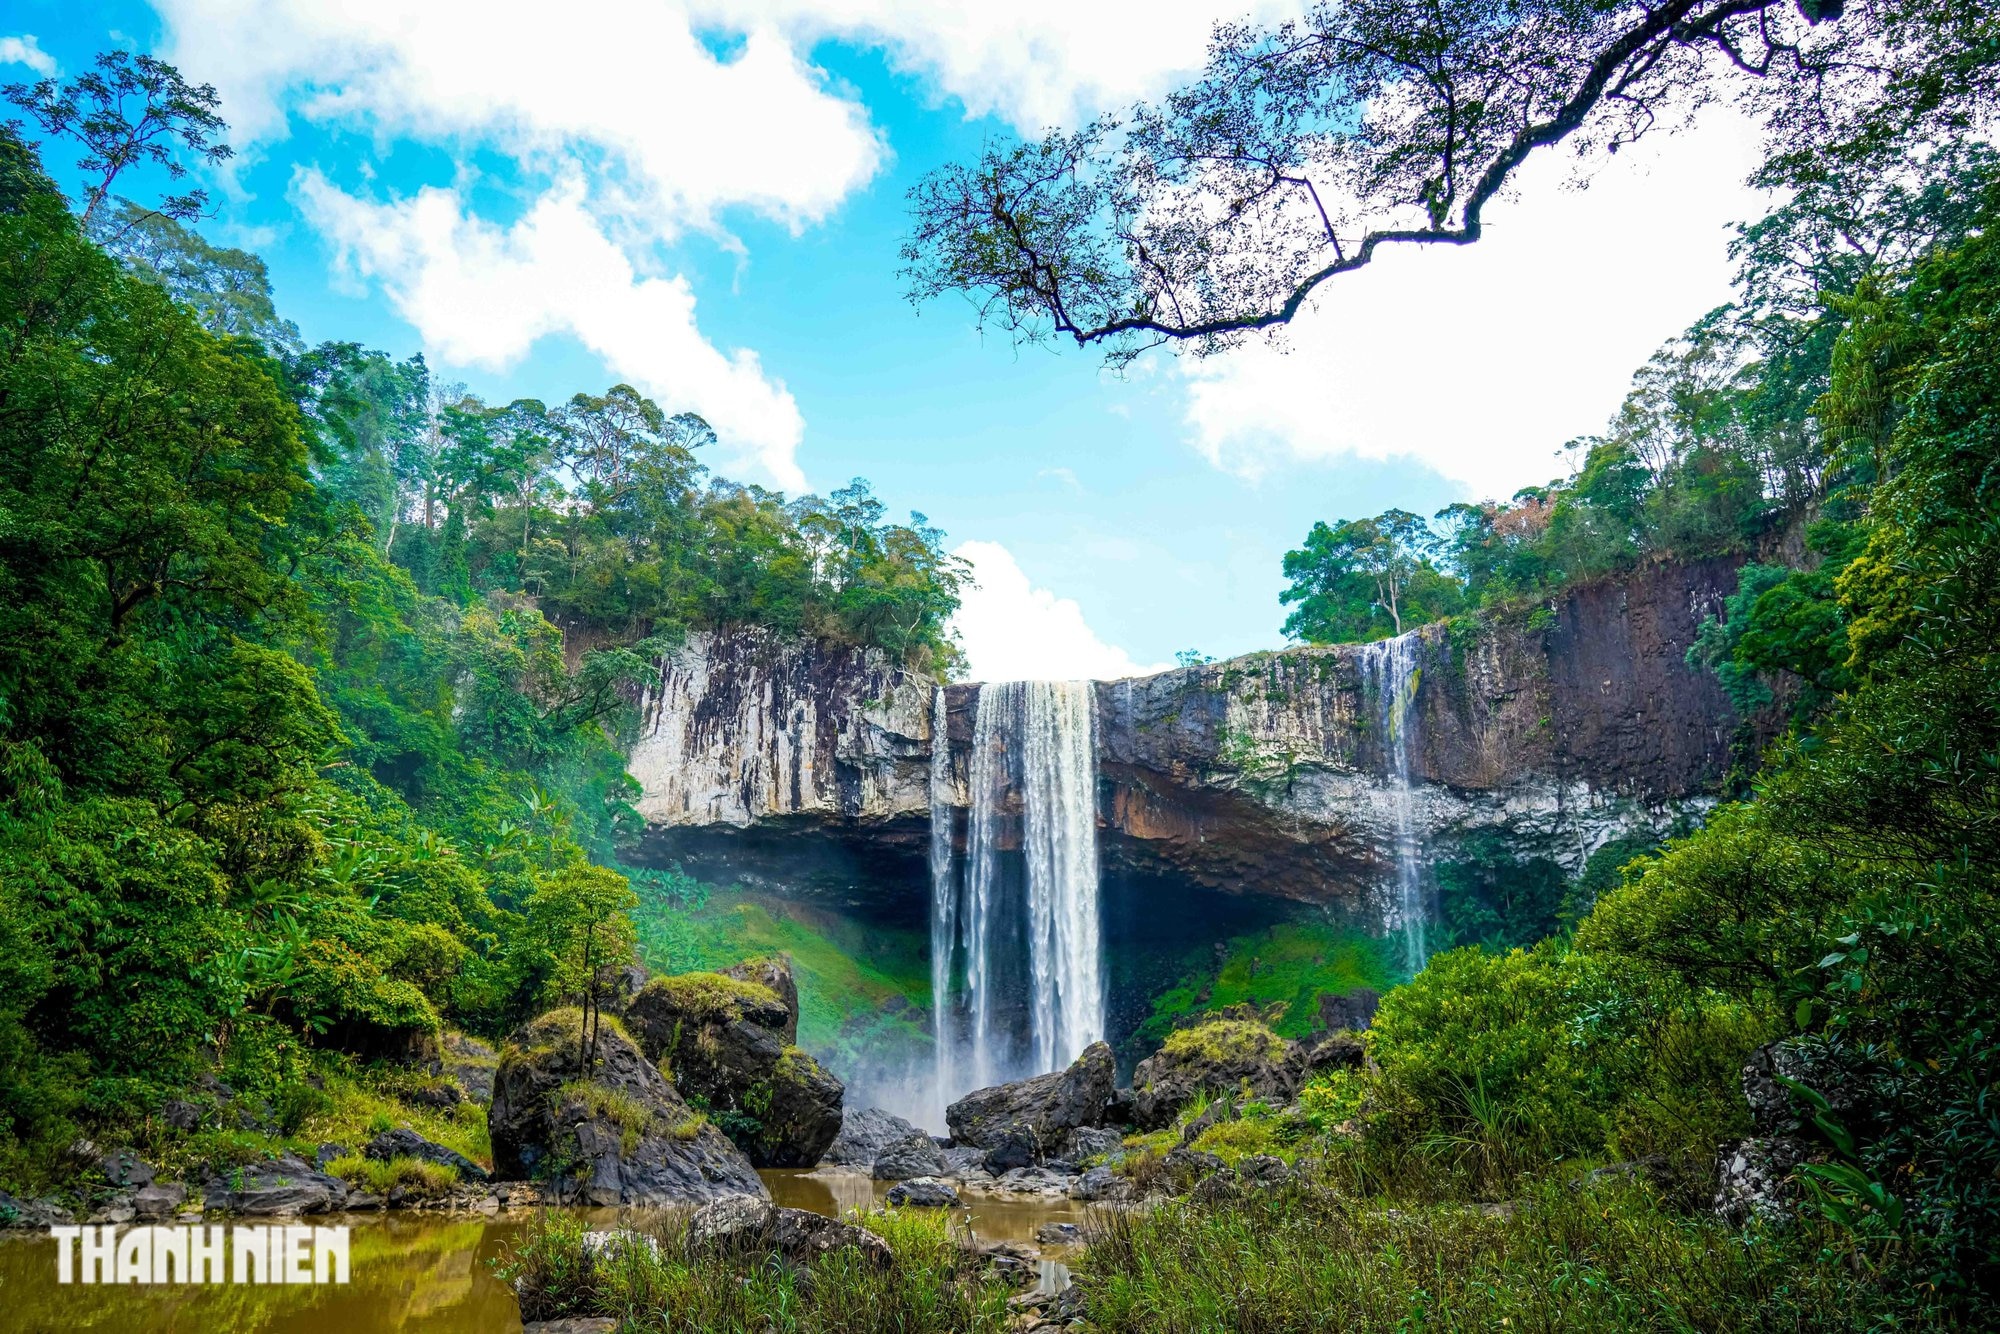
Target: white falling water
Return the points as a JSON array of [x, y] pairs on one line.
[[1392, 668], [1024, 931], [944, 896], [1059, 837]]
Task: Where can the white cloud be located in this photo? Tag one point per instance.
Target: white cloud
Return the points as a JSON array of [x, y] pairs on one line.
[[25, 50], [1013, 631], [482, 295], [1034, 62], [673, 112], [1483, 361]]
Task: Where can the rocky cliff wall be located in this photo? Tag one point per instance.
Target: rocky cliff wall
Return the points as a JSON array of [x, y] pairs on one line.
[[807, 767]]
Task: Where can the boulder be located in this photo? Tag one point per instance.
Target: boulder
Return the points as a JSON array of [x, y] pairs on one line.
[[470, 1064], [727, 1042], [1035, 1181], [1352, 1012], [32, 1213], [1031, 1117], [124, 1168], [1101, 1184], [1263, 1169], [1086, 1142], [327, 1153], [158, 1201], [624, 1136], [1754, 1178], [923, 1193], [181, 1114], [1058, 1234], [409, 1144], [864, 1133], [962, 1163], [915, 1155], [573, 1324], [774, 974], [743, 1226], [1232, 1054], [617, 984], [282, 1186]]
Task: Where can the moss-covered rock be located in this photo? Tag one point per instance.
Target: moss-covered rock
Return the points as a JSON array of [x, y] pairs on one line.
[[621, 1134], [725, 1040], [1236, 1053]]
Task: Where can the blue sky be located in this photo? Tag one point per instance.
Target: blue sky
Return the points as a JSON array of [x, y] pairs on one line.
[[709, 206]]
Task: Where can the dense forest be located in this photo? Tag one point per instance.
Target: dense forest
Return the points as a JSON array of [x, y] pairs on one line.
[[297, 771]]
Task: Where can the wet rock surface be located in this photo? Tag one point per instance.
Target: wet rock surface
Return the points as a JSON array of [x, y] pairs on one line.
[[864, 1133], [923, 1193], [1021, 1122], [623, 1136]]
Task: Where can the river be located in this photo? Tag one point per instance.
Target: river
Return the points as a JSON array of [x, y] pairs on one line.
[[410, 1272]]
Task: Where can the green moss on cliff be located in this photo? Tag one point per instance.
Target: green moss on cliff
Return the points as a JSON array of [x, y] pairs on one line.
[[1293, 962]]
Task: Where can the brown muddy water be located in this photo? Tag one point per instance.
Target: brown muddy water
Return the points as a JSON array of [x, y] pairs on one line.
[[412, 1273]]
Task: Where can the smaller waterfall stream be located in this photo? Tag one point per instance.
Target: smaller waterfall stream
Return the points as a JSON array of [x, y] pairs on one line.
[[944, 891], [1392, 666]]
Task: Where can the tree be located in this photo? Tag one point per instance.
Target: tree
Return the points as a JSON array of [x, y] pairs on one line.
[[1307, 146], [1361, 578], [229, 290], [131, 111]]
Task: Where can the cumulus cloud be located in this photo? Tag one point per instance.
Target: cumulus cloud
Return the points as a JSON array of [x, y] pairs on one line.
[[25, 50], [1013, 631], [1034, 62], [483, 294], [1482, 362]]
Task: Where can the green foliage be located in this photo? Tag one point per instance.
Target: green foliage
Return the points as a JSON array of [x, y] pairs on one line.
[[934, 1286], [864, 989], [1365, 579], [1291, 965], [1605, 1257], [1487, 895]]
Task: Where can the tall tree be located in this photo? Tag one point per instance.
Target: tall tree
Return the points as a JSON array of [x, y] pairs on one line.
[[1363, 578], [1307, 146]]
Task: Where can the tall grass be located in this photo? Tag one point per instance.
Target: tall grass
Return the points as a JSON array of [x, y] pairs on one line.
[[1575, 1258], [934, 1287]]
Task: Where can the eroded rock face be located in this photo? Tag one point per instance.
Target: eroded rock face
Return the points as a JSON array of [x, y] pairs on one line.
[[806, 768], [624, 1136], [727, 1040], [1032, 1117]]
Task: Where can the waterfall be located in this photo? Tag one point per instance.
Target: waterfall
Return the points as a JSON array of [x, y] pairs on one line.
[[944, 896], [1059, 836], [1018, 929], [1391, 665]]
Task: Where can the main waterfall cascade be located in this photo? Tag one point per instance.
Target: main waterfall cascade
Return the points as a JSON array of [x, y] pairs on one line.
[[1391, 666], [1019, 936]]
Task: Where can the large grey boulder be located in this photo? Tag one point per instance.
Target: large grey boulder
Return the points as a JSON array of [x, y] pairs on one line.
[[914, 1155], [281, 1186], [623, 1136], [728, 1041], [745, 1226], [923, 1193], [402, 1143], [1019, 1123], [864, 1133]]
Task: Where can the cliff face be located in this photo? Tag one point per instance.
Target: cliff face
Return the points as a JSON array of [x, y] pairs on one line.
[[795, 764]]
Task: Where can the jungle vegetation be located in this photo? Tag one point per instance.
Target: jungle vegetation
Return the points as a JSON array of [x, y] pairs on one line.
[[295, 769]]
